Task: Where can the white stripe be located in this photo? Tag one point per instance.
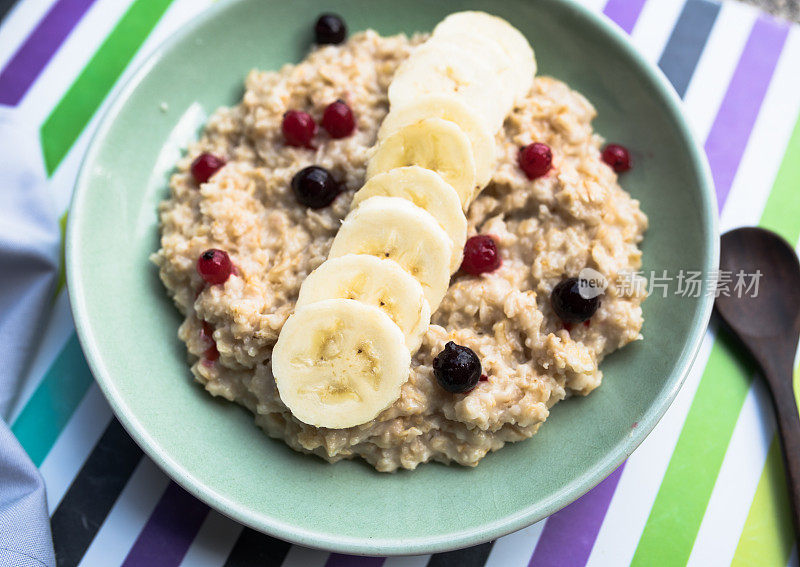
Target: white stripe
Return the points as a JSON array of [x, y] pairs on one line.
[[213, 542], [736, 484], [515, 550], [407, 561], [654, 26], [18, 23], [641, 479], [127, 517], [741, 470], [67, 63], [85, 40], [744, 461], [57, 331], [738, 480], [74, 445], [305, 557], [768, 140], [644, 472], [176, 15], [716, 65], [627, 514], [645, 469]]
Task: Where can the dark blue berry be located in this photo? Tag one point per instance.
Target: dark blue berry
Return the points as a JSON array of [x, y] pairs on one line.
[[457, 368], [570, 305], [315, 187], [330, 29]]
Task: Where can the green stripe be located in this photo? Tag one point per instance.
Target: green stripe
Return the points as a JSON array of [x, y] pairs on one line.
[[81, 101], [682, 499], [767, 537], [782, 212], [62, 274], [53, 402], [683, 496]]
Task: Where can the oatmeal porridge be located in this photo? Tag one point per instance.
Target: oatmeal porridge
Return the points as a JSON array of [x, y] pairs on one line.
[[541, 230]]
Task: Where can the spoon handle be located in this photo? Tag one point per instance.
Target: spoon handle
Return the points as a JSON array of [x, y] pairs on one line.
[[780, 382]]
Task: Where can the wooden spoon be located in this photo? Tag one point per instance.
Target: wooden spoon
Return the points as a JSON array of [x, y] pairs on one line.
[[769, 326]]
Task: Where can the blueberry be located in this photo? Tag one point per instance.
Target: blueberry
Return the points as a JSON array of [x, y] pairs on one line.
[[457, 368], [330, 29], [570, 305], [315, 187]]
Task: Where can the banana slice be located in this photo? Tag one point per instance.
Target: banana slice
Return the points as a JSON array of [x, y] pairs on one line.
[[509, 38], [478, 47], [427, 190], [433, 143], [444, 68], [448, 107], [391, 227], [339, 363], [373, 281]]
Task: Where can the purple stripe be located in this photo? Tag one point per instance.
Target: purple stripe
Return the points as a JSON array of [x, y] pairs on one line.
[[39, 47], [624, 12], [737, 114], [169, 532], [569, 534], [339, 560]]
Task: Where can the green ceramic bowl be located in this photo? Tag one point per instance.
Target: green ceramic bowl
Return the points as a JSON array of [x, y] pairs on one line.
[[127, 326]]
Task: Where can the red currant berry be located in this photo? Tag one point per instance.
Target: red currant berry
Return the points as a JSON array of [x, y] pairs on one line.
[[298, 128], [206, 165], [480, 255], [618, 157], [211, 353], [338, 119], [535, 160], [214, 266]]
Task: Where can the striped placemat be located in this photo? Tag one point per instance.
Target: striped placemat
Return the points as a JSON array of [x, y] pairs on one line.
[[706, 488]]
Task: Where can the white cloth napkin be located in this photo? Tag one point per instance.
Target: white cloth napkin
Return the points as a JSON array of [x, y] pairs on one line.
[[29, 256]]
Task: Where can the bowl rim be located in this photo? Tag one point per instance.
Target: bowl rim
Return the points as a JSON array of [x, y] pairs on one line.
[[398, 545]]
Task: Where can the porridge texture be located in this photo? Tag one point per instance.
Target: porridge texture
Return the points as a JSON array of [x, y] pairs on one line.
[[546, 229]]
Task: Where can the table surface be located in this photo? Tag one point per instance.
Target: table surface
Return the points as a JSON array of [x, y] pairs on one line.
[[706, 487], [789, 9]]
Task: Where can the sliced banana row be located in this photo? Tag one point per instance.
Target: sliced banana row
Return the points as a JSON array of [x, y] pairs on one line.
[[344, 354], [480, 59], [470, 73]]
